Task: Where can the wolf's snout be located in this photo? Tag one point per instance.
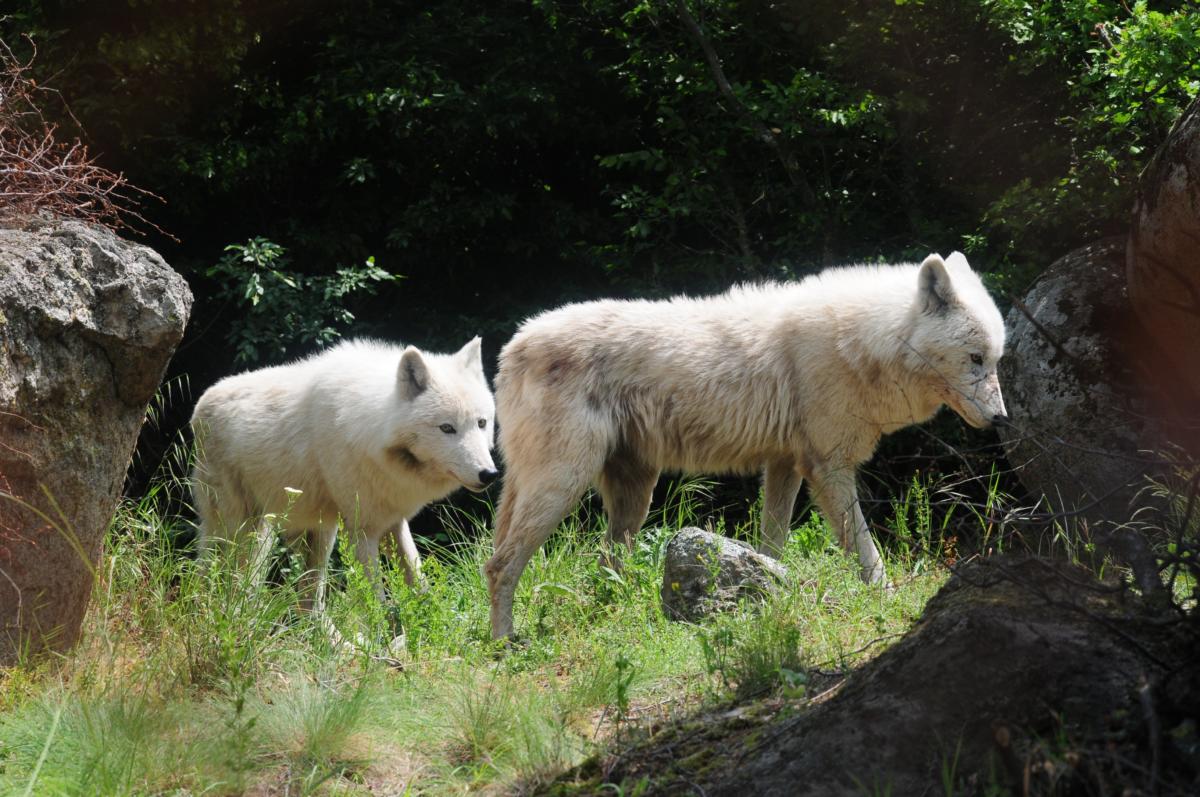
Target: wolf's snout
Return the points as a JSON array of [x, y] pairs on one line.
[[1000, 419], [487, 476]]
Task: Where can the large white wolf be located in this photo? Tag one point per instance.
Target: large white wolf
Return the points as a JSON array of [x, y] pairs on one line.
[[366, 431], [798, 381]]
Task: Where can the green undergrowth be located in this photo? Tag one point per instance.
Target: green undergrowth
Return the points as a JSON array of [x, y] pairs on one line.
[[194, 680]]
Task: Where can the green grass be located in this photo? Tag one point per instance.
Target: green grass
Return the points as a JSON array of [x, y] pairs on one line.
[[197, 680]]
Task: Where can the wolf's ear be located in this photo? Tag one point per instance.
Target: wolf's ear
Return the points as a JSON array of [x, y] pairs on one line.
[[957, 261], [935, 290], [412, 377], [470, 356]]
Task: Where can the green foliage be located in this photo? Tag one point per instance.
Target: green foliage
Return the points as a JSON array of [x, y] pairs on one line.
[[703, 194], [517, 156], [919, 537], [1127, 72], [750, 658], [623, 678], [283, 309]]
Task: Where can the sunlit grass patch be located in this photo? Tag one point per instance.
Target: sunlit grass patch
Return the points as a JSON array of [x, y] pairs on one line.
[[204, 678]]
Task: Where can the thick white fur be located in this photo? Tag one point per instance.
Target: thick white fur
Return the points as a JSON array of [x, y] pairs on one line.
[[356, 430], [798, 381]]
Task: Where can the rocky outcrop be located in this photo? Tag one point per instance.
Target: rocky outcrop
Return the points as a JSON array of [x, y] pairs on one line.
[[705, 573], [1022, 676], [88, 323], [1163, 269], [1079, 421]]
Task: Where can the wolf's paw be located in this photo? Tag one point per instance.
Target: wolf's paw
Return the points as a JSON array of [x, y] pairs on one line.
[[884, 585], [509, 644], [877, 577]]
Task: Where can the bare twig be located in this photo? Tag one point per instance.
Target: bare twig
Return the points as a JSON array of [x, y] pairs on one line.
[[39, 173]]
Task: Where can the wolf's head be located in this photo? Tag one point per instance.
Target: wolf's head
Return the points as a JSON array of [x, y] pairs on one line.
[[447, 429], [958, 338]]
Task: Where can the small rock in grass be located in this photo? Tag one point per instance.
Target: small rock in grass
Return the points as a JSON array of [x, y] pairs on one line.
[[705, 573]]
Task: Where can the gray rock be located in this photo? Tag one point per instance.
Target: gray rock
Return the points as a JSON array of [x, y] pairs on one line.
[[1078, 420], [88, 323], [705, 573]]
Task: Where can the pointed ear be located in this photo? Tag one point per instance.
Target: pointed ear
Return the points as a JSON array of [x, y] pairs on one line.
[[412, 377], [470, 355], [934, 289], [957, 261]]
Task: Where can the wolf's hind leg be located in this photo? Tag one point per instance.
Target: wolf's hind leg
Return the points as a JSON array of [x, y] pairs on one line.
[[626, 485], [781, 482], [527, 517], [205, 503], [226, 513]]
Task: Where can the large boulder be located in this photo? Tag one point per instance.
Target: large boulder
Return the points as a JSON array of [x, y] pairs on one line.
[[705, 573], [1079, 422], [88, 322], [1163, 268]]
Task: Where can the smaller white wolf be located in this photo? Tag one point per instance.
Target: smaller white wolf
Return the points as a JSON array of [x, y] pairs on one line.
[[367, 432], [796, 381]]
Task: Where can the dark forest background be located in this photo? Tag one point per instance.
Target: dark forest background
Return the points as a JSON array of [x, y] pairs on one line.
[[425, 172]]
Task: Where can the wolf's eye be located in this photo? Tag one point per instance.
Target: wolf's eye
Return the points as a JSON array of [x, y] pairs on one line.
[[483, 423], [977, 359], [447, 428]]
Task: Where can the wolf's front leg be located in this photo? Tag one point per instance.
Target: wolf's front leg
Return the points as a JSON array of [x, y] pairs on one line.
[[408, 550], [366, 551], [836, 492], [318, 545]]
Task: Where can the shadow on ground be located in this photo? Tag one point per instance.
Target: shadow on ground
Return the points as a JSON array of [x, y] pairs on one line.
[[1023, 676]]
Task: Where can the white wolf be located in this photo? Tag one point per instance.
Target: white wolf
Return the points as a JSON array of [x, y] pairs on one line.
[[366, 431], [798, 381]]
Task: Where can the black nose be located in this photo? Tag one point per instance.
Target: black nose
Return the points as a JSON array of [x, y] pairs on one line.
[[488, 476], [1000, 420]]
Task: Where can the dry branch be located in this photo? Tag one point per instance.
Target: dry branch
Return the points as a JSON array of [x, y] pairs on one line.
[[43, 174]]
